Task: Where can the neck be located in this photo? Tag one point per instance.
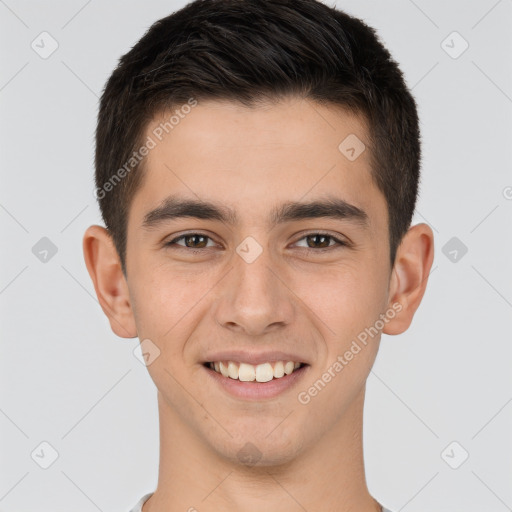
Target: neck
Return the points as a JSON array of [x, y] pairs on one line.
[[328, 475]]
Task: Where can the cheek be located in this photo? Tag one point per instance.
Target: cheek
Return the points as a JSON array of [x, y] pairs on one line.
[[167, 306], [162, 300], [346, 298], [347, 302]]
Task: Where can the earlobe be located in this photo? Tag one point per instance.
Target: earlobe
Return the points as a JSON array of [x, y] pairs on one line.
[[104, 268], [409, 276]]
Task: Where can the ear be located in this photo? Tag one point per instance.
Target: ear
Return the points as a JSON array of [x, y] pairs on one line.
[[104, 267], [409, 276]]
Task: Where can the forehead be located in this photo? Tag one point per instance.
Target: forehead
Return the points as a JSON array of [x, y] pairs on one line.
[[247, 157], [218, 126]]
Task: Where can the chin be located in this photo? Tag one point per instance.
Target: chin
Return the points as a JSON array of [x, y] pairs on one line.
[[258, 448]]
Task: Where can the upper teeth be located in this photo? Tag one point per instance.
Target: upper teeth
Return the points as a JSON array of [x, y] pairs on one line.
[[248, 372]]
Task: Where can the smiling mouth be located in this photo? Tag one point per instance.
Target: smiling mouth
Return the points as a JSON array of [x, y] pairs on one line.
[[254, 373]]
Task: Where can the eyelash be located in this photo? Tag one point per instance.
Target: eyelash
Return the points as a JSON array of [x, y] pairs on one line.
[[340, 243]]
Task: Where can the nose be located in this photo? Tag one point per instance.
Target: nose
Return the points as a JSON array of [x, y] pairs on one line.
[[255, 298]]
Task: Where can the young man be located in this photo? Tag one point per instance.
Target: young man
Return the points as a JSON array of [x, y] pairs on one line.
[[257, 168]]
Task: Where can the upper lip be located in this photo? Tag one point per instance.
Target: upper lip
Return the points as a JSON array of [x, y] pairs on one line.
[[254, 358]]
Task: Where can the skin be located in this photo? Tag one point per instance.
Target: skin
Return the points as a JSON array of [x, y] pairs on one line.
[[289, 298]]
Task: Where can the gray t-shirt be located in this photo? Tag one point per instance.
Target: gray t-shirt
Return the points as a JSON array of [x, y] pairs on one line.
[[138, 507]]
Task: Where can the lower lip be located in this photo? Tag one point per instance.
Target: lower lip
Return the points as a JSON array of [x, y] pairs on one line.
[[257, 390]]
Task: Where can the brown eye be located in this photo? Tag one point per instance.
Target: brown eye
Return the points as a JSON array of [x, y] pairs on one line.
[[321, 241], [192, 241]]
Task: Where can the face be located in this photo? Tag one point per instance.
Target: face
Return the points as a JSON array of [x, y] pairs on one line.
[[248, 279]]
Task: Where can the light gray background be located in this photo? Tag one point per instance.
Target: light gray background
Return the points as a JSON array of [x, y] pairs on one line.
[[68, 380]]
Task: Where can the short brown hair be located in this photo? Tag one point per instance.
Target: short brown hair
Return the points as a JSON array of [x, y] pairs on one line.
[[245, 51]]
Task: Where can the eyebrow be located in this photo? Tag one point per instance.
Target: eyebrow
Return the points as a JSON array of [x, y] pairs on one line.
[[175, 207]]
